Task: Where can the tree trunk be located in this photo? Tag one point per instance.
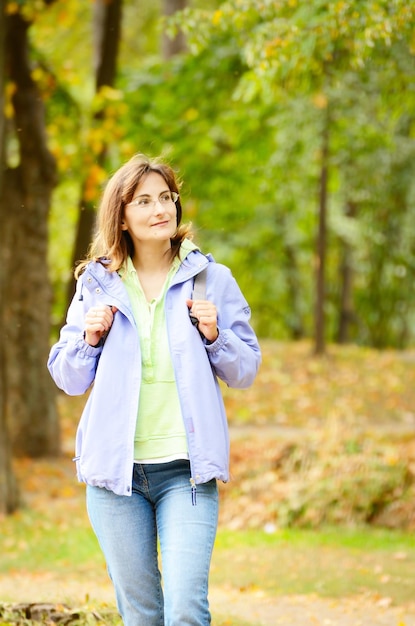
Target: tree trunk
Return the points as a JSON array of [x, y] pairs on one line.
[[320, 343], [294, 320], [9, 497], [346, 313], [170, 46], [30, 393], [9, 494], [107, 34]]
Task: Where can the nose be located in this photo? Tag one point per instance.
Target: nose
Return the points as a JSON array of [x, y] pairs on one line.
[[159, 208]]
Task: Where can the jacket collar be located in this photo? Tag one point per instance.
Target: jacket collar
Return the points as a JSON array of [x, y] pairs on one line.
[[96, 275]]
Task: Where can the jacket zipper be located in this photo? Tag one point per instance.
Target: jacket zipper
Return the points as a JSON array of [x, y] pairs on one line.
[[201, 267], [193, 485]]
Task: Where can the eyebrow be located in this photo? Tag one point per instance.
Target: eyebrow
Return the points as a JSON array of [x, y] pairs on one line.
[[147, 195]]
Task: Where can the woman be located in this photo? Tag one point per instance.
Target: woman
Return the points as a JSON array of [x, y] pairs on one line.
[[153, 437]]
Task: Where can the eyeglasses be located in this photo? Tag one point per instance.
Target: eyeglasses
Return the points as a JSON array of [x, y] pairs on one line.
[[165, 198]]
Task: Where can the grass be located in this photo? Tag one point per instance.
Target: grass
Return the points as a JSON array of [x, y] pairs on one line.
[[332, 562]]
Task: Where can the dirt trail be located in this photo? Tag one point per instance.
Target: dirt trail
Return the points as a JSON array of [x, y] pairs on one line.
[[263, 610], [254, 607]]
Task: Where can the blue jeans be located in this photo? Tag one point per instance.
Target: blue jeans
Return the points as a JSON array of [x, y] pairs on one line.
[[129, 528]]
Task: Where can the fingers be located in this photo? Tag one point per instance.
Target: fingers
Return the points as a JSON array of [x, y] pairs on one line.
[[98, 321], [99, 318], [204, 310], [205, 313]]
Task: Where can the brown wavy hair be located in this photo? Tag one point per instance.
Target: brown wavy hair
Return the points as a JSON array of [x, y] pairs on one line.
[[110, 242]]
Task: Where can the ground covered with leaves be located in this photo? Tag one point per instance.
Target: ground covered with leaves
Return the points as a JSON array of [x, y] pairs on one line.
[[321, 441]]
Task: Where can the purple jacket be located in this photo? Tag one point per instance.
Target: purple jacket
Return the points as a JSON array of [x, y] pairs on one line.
[[105, 436]]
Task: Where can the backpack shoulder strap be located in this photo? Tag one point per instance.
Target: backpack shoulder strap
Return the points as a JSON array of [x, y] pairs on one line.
[[199, 286], [199, 292]]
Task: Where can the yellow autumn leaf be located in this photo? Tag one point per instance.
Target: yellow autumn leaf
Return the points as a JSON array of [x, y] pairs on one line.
[[191, 114], [92, 186], [320, 100], [217, 16], [12, 8], [37, 74], [109, 93]]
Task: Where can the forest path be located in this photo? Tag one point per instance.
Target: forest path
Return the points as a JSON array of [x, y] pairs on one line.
[[253, 607]]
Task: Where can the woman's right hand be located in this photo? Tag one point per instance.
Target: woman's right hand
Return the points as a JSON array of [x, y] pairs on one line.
[[98, 322]]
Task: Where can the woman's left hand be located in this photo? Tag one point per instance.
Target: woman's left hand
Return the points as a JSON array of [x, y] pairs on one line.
[[205, 312]]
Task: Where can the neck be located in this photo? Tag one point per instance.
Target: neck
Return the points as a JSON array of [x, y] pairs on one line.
[[152, 268], [152, 259]]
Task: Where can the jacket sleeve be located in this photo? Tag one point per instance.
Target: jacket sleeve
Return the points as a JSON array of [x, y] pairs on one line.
[[72, 362], [235, 356]]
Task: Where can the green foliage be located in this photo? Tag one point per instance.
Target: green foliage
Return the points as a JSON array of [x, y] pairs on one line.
[[304, 59], [240, 116]]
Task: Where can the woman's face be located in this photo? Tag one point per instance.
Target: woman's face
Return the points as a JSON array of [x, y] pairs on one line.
[[151, 215]]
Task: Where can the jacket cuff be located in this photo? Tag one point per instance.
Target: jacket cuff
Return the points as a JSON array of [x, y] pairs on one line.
[[216, 345], [84, 349]]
